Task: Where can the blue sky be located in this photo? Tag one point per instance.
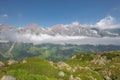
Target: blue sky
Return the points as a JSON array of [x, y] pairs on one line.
[[51, 12]]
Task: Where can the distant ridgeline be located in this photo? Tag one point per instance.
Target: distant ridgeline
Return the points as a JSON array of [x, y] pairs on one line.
[[53, 52]]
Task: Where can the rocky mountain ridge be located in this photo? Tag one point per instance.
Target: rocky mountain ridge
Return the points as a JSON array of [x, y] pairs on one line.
[[66, 30]]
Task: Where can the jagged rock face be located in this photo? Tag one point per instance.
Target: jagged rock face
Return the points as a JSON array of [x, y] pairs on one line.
[[33, 28], [59, 30], [4, 28], [8, 78], [72, 30], [63, 30]]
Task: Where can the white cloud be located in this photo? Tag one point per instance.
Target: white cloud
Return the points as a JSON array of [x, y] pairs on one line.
[[59, 39], [107, 23], [75, 23], [3, 18], [4, 15]]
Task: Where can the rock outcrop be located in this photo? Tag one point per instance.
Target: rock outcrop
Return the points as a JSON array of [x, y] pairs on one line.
[[61, 74], [1, 64], [62, 65], [8, 78], [10, 62]]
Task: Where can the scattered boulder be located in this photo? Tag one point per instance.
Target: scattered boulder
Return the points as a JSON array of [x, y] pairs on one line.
[[91, 77], [107, 74], [107, 78], [1, 64], [77, 78], [24, 61], [73, 57], [51, 63], [101, 60], [61, 74], [62, 65], [8, 78], [72, 78], [74, 69], [10, 62]]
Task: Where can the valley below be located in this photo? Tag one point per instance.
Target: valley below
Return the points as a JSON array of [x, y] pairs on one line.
[[26, 61]]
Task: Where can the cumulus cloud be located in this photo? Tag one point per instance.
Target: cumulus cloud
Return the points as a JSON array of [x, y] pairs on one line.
[[76, 23], [107, 23]]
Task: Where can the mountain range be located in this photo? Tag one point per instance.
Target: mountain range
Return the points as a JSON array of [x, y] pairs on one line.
[[73, 33], [66, 30]]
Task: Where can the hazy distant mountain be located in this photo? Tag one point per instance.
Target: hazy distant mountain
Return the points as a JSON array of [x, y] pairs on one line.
[[66, 30], [71, 30], [5, 28], [73, 33]]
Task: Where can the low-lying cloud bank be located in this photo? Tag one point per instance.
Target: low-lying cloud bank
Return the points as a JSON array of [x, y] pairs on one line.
[[58, 39], [106, 23]]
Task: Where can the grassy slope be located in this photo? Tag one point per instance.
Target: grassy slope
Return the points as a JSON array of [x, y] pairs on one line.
[[83, 64], [111, 66]]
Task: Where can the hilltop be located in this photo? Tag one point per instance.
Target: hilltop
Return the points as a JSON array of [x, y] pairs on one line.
[[82, 66]]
